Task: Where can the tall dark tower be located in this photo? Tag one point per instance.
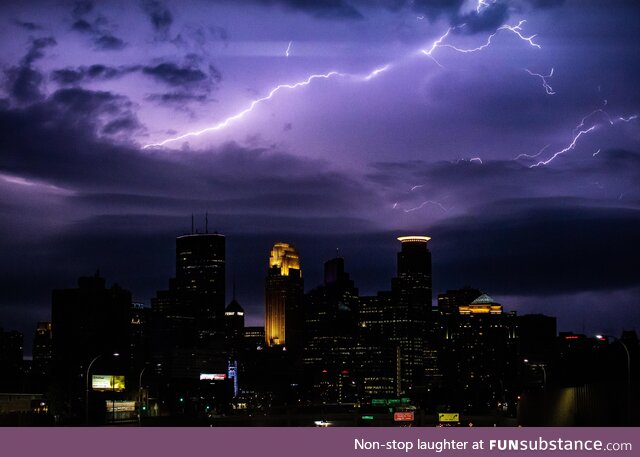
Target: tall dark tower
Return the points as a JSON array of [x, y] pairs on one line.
[[411, 291], [331, 330], [414, 265], [200, 275], [283, 297]]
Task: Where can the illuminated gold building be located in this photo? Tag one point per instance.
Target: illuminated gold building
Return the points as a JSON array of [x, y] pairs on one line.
[[481, 305], [283, 297]]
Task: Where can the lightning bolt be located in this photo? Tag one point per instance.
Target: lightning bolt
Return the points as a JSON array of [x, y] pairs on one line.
[[427, 202], [579, 130], [436, 44], [481, 4], [288, 51], [376, 72], [242, 113], [428, 52], [529, 156], [548, 89], [516, 29], [571, 146]]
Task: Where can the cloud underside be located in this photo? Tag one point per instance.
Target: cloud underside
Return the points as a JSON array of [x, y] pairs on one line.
[[510, 228]]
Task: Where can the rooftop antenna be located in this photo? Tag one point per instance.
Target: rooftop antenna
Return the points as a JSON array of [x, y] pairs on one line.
[[206, 222], [192, 223]]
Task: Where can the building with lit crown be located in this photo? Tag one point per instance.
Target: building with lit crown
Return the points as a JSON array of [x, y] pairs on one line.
[[284, 287]]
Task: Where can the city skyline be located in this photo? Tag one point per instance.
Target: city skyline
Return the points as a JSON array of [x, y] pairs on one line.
[[420, 119]]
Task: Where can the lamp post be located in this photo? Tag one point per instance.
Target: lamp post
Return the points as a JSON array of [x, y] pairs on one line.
[[626, 350], [140, 396], [140, 392], [86, 397]]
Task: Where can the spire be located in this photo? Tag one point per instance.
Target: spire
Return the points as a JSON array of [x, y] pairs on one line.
[[206, 222], [192, 223]]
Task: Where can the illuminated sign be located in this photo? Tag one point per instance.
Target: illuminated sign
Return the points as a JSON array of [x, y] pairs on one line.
[[213, 377], [367, 418], [403, 416], [120, 406], [107, 382], [448, 417]]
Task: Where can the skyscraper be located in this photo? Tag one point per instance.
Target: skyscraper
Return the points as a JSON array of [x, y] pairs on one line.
[[200, 276], [480, 356], [283, 297], [331, 336], [411, 292]]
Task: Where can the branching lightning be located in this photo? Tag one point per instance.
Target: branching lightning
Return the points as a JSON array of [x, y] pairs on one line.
[[548, 89], [571, 146], [427, 202], [579, 130], [531, 156], [517, 29], [481, 4], [242, 113]]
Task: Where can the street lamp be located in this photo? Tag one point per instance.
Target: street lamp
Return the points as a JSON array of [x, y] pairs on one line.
[[140, 393], [86, 397], [626, 350]]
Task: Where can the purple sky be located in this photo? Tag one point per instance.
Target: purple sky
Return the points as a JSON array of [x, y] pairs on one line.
[[433, 144]]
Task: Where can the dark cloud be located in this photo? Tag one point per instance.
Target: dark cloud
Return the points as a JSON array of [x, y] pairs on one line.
[[545, 3], [109, 42], [97, 29], [73, 76], [23, 81], [546, 249], [36, 50], [85, 113], [488, 19], [318, 8], [434, 9], [160, 17], [465, 186], [178, 98], [24, 84], [82, 25], [198, 37], [184, 76], [30, 26], [82, 8]]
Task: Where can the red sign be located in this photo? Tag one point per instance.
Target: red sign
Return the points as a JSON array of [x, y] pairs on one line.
[[405, 416]]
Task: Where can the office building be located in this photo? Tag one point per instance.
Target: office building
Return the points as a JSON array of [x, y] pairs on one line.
[[284, 289], [331, 327]]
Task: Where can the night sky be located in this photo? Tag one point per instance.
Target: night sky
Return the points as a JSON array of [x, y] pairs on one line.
[[515, 145]]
